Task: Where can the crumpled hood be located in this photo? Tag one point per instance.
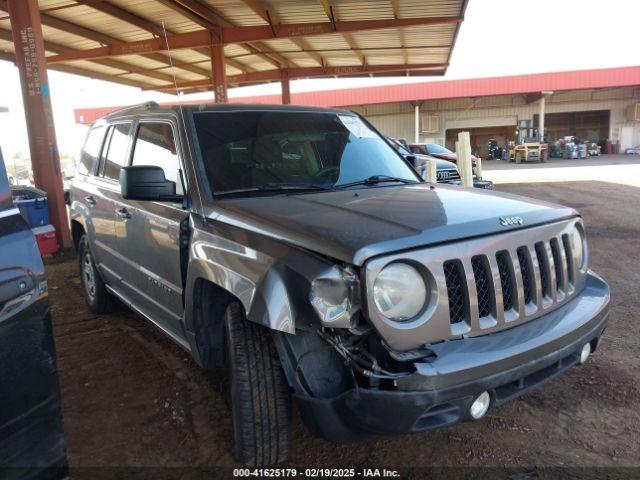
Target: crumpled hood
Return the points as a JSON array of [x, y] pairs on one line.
[[354, 225]]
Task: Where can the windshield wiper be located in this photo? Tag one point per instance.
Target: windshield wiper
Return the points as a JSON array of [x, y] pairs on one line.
[[375, 179], [277, 187]]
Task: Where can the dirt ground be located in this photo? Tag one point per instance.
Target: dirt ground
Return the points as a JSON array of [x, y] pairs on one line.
[[131, 398]]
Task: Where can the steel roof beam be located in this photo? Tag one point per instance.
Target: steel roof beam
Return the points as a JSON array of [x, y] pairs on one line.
[[107, 62], [202, 38], [270, 18], [331, 14], [157, 30], [309, 72], [207, 17], [75, 29], [10, 57]]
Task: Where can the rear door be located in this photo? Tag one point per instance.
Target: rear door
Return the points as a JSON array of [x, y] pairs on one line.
[[106, 185], [149, 232], [84, 191]]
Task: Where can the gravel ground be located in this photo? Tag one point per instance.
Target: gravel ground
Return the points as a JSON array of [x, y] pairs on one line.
[[131, 398]]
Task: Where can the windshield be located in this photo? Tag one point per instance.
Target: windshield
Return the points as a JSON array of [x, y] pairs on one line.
[[267, 149], [435, 148]]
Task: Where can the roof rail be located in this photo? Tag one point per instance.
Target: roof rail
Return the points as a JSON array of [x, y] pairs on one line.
[[146, 105]]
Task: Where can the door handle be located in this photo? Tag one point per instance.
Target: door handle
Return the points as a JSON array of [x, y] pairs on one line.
[[15, 292], [123, 213], [90, 199]]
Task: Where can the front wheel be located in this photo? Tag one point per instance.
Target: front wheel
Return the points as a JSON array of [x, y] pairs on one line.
[[99, 300], [259, 394]]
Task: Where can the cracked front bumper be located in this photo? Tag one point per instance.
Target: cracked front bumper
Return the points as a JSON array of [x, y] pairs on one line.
[[506, 364]]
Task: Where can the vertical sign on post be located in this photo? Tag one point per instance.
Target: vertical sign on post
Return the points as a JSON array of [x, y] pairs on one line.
[[26, 31]]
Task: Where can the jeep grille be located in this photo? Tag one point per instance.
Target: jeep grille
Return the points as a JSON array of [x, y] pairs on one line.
[[486, 284], [547, 281]]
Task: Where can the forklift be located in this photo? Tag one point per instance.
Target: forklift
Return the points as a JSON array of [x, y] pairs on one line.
[[528, 147]]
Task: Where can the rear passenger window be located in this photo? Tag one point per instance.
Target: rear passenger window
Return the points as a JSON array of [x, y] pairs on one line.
[[155, 145], [114, 152], [90, 151]]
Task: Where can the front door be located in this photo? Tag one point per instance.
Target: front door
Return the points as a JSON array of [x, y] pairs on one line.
[[149, 234]]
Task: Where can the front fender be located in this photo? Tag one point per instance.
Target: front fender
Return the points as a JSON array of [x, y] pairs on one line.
[[270, 279]]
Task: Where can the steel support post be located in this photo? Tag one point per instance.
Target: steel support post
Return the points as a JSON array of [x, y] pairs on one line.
[[218, 74], [286, 88], [26, 31]]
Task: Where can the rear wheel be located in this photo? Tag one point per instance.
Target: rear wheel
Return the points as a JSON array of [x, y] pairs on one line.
[[98, 298], [259, 394]]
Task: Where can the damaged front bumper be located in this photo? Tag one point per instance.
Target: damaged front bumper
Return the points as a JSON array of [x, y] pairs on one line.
[[440, 392]]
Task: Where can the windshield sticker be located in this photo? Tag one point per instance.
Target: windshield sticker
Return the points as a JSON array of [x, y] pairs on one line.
[[356, 126]]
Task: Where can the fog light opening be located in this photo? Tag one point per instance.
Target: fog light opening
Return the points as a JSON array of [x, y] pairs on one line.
[[480, 406], [585, 352]]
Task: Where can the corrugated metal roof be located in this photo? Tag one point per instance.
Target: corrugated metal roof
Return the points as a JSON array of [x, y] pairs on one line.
[[448, 89], [343, 41]]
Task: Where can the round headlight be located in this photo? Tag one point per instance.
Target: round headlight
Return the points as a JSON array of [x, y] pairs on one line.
[[399, 292], [579, 248]]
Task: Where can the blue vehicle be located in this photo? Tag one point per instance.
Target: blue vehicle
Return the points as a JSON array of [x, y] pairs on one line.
[[31, 436]]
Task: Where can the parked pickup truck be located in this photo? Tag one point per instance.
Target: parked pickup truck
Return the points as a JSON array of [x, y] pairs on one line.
[[293, 248]]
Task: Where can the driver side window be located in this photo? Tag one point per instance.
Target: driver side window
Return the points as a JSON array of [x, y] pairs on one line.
[[155, 145]]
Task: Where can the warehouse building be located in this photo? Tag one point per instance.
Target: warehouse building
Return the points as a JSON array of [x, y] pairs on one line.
[[605, 109], [598, 105]]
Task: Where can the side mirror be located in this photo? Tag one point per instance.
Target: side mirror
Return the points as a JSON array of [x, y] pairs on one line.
[[147, 182]]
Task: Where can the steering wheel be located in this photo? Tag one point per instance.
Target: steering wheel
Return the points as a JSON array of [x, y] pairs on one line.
[[327, 172]]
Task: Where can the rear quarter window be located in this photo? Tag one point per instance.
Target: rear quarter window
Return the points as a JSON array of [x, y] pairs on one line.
[[90, 151]]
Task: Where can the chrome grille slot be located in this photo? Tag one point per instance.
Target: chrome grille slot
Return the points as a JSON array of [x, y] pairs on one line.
[[528, 277], [557, 263], [482, 276], [456, 291], [486, 284], [568, 253], [506, 279], [447, 175], [543, 264]]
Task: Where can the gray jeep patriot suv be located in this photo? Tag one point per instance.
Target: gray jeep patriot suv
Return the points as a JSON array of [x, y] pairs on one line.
[[295, 250]]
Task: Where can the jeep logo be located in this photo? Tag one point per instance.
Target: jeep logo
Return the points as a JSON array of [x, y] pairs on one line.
[[507, 221]]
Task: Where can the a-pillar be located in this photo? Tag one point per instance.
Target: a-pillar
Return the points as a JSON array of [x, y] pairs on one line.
[[218, 74], [26, 31], [286, 87]]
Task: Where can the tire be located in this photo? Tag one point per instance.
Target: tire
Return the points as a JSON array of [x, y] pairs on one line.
[[259, 394], [98, 299]]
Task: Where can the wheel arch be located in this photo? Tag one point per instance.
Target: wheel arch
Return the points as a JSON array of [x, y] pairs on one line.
[[77, 230], [210, 288]]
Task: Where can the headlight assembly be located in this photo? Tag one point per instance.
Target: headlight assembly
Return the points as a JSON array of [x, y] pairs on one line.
[[399, 292], [580, 248]]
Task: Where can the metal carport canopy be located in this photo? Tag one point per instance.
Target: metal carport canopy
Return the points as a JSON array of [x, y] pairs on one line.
[[200, 45], [250, 41]]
